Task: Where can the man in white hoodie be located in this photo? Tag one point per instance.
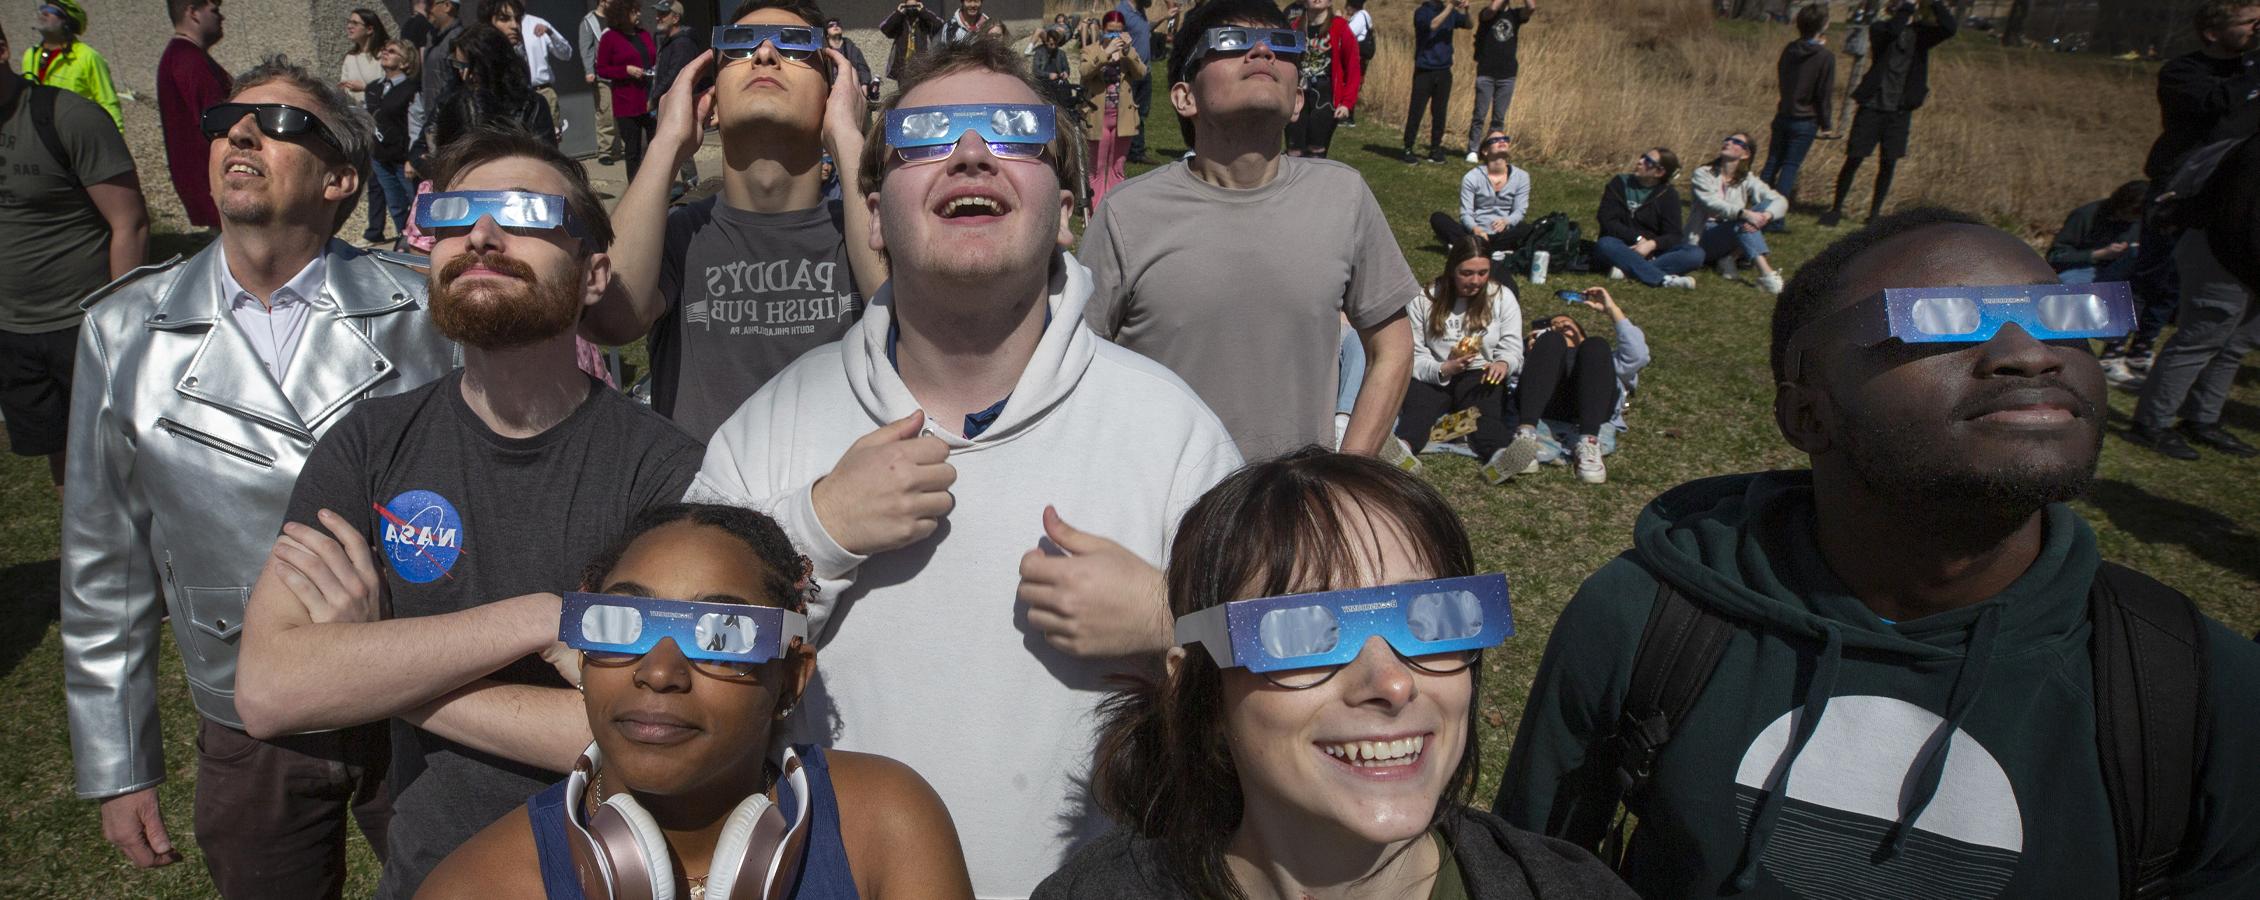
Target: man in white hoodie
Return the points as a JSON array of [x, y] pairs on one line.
[[930, 462]]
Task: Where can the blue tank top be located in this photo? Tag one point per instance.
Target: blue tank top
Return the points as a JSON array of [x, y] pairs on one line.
[[824, 875]]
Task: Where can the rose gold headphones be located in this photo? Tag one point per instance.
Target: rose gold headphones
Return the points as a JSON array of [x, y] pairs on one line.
[[621, 854]]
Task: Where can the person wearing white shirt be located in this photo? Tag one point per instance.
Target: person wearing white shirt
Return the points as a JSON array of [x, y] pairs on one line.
[[1467, 346], [274, 323], [538, 41], [1361, 26]]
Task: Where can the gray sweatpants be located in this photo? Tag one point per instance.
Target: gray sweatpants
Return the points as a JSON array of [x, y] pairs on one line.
[[2216, 326], [1491, 98]]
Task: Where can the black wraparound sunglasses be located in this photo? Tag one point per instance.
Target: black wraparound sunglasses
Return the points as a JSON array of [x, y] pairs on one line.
[[276, 120]]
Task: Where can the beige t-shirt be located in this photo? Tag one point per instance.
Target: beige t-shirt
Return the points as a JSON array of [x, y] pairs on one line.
[[1240, 292]]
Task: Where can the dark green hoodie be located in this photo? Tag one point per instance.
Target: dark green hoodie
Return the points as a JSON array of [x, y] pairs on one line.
[[2018, 809]]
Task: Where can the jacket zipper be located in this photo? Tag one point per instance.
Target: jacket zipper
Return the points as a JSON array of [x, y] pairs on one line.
[[253, 457]]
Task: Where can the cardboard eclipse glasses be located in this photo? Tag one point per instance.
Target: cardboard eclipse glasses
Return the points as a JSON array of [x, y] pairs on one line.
[[616, 628], [1972, 315], [1329, 629]]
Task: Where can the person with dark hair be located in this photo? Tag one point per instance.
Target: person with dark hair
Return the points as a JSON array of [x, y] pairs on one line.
[[1574, 388], [1642, 233], [189, 81], [689, 739], [361, 72], [1048, 62], [1361, 28], [388, 100], [1275, 768], [537, 42], [625, 57], [1465, 355], [1330, 78], [2217, 325], [1110, 112], [936, 464], [61, 60], [678, 46], [733, 288], [1433, 24], [968, 23], [2098, 240], [1805, 77], [836, 38], [1498, 37], [1731, 207], [600, 92], [1899, 673], [1271, 376], [418, 514], [1895, 86], [200, 385], [913, 28], [1141, 32], [1494, 201], [489, 91], [446, 18]]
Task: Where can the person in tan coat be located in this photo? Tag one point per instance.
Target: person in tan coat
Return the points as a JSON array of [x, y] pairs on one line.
[[1109, 66]]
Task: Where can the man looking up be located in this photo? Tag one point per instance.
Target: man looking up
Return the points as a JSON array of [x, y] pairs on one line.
[[1905, 699], [936, 466], [495, 481], [439, 66], [61, 60], [1265, 361], [967, 24], [189, 81], [735, 287], [1889, 94], [201, 387]]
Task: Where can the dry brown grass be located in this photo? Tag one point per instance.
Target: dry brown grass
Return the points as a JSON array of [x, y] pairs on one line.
[[2020, 137]]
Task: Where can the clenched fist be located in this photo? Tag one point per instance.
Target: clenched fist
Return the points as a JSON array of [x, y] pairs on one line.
[[890, 489]]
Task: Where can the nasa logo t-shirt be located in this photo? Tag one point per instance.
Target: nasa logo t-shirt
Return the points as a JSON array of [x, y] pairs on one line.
[[423, 536]]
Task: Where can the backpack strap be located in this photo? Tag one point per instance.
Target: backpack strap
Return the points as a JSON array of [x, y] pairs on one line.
[[43, 121], [2149, 658], [1678, 652]]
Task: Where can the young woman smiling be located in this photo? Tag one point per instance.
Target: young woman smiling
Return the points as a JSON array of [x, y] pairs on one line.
[[689, 742], [1349, 779]]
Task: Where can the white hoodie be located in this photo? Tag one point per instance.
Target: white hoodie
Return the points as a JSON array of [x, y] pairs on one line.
[[1502, 336], [925, 654]]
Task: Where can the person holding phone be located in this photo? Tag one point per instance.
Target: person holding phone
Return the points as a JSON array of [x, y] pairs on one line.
[[1575, 386], [1465, 353], [1109, 110]]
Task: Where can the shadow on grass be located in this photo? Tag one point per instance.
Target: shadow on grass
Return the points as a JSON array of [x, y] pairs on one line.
[[2153, 519], [32, 589]]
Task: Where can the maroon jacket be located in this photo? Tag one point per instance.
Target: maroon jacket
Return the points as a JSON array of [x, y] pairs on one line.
[[188, 81]]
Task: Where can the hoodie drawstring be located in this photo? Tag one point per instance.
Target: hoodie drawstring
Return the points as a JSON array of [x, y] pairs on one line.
[[1969, 680], [1817, 692]]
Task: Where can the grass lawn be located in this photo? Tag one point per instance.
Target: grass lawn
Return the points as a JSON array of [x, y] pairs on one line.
[[1704, 409]]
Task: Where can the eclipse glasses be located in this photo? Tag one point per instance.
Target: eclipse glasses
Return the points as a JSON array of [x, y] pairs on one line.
[[726, 640], [1301, 640], [930, 133], [1973, 315]]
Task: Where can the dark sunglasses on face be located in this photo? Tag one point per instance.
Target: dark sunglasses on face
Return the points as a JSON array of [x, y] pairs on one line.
[[1738, 142], [276, 120], [1647, 162]]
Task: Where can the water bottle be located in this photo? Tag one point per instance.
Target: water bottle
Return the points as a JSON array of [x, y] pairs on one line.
[[1538, 260]]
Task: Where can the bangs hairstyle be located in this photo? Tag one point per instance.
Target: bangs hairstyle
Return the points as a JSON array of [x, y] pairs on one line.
[[1197, 21], [1812, 293], [1291, 524], [1443, 292], [355, 130], [807, 11], [784, 569], [488, 143], [982, 54]]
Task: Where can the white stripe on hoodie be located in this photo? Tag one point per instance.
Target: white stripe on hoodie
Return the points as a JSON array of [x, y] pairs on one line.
[[926, 655]]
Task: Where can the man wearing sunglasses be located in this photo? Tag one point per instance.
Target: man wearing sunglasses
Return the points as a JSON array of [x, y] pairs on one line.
[[1915, 664], [733, 288], [1256, 331], [941, 463], [417, 516], [202, 386]]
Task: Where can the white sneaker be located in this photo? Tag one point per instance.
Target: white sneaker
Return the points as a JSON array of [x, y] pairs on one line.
[[1770, 283], [1727, 269], [1616, 274], [2121, 374], [1518, 458], [1590, 469], [1472, 158], [1396, 452], [1681, 282]]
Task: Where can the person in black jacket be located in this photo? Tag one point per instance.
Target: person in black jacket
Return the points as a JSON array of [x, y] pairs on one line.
[[1895, 86], [836, 38], [677, 47], [2097, 241], [914, 28], [1806, 77], [491, 88], [388, 101], [1642, 232]]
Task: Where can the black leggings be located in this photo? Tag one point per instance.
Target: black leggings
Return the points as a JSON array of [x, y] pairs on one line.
[[1425, 403], [1312, 132], [1568, 383], [1449, 231], [635, 132], [1433, 87]]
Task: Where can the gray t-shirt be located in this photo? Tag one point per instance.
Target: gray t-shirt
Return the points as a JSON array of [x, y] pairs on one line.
[[54, 245], [1241, 291], [462, 517], [747, 293]]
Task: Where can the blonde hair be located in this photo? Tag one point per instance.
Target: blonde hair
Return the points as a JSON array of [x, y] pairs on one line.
[[411, 62]]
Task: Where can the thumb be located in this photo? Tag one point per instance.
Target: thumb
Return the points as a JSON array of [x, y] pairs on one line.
[[1068, 537], [153, 826], [902, 429]]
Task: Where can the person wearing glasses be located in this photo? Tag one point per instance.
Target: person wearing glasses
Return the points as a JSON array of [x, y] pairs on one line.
[[201, 386], [974, 474], [1315, 730], [687, 743], [1494, 199], [1642, 234], [1268, 361], [1732, 206], [733, 288], [455, 508]]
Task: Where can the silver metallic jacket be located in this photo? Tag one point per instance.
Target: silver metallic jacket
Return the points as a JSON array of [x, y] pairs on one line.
[[183, 452]]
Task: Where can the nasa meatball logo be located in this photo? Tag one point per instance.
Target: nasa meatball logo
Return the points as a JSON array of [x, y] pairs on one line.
[[423, 536]]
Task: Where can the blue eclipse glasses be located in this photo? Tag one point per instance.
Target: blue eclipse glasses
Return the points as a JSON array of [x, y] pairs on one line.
[[1316, 634], [723, 639], [795, 42], [1285, 43], [446, 211], [1973, 315], [930, 133]]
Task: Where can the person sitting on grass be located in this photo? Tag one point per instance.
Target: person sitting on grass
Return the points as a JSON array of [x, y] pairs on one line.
[[1731, 206], [1575, 387], [1464, 355], [1326, 770], [1494, 198], [685, 739], [2098, 239], [1641, 229]]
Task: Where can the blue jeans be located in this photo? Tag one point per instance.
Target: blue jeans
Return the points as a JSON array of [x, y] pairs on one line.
[[1352, 362], [2119, 269], [395, 189], [1678, 260], [1722, 238], [1792, 139]]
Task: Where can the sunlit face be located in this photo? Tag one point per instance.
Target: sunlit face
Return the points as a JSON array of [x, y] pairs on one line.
[[494, 288], [1471, 276], [354, 30], [1294, 749], [1497, 148], [973, 215], [770, 91], [255, 178], [1227, 87], [389, 58], [1736, 147], [666, 728], [52, 26]]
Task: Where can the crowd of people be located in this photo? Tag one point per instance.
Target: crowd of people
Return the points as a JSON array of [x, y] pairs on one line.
[[1113, 547]]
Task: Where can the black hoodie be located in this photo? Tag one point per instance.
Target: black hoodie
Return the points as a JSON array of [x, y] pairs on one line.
[[1807, 72]]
